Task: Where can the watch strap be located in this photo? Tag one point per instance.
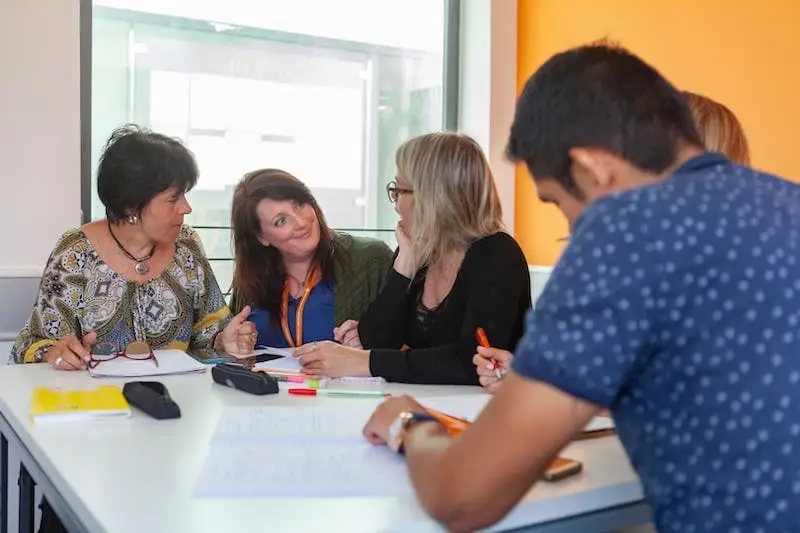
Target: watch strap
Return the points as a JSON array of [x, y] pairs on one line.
[[410, 421]]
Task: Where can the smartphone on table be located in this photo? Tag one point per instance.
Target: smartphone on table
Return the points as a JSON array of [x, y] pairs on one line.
[[208, 356], [251, 360], [562, 467]]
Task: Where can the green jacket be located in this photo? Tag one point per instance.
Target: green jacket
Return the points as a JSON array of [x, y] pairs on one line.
[[357, 280]]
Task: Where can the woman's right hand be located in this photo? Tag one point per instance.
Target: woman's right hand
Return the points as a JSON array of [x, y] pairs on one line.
[[404, 262], [484, 362], [347, 334], [69, 353]]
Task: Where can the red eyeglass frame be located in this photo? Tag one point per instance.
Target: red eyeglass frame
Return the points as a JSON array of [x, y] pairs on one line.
[[94, 361]]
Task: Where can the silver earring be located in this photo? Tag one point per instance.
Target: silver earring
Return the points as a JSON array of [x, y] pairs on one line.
[[133, 220]]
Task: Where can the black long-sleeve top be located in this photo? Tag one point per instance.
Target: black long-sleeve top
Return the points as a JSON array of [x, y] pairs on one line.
[[492, 290]]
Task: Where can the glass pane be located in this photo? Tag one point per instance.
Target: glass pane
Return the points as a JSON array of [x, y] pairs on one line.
[[252, 85]]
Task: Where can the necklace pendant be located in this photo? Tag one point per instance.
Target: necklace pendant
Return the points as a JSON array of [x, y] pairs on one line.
[[141, 268]]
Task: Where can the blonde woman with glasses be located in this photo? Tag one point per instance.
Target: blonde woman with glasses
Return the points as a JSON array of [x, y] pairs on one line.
[[455, 271]]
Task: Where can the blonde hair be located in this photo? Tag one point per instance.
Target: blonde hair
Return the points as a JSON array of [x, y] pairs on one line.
[[455, 198], [719, 128]]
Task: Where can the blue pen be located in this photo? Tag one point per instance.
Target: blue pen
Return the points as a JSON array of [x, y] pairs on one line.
[[216, 361], [209, 357]]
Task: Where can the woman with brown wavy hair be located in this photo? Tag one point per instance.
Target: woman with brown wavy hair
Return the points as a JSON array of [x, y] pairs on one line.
[[300, 278]]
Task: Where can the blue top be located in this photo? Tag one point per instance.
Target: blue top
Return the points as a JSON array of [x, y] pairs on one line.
[[317, 319], [677, 305]]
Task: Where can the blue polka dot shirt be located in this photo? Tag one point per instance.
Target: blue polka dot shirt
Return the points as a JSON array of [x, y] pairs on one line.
[[677, 306]]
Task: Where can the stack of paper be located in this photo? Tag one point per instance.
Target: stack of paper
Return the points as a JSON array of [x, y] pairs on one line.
[[169, 362], [300, 451]]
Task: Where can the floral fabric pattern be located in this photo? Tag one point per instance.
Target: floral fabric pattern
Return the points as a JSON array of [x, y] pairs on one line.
[[183, 307]]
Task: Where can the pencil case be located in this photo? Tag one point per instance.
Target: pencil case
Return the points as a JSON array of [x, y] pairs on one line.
[[244, 379]]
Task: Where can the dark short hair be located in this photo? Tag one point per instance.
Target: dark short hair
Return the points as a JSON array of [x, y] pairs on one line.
[[602, 96], [136, 165], [259, 273]]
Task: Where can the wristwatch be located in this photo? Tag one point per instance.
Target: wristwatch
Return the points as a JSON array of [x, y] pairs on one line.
[[401, 425]]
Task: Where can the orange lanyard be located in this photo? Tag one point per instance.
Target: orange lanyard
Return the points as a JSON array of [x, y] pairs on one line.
[[312, 278]]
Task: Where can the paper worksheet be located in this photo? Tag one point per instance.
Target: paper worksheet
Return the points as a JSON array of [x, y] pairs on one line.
[[299, 451], [342, 422], [303, 469]]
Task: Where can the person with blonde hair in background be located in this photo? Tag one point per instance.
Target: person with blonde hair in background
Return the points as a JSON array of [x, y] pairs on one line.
[[455, 270], [720, 131], [719, 128]]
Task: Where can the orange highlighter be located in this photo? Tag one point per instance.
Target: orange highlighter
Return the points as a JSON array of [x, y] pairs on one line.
[[483, 340]]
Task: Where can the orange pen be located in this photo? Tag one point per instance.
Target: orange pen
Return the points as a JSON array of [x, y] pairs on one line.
[[483, 340], [454, 425]]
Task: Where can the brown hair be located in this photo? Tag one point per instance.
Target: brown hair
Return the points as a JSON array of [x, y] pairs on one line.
[[259, 273], [719, 128]]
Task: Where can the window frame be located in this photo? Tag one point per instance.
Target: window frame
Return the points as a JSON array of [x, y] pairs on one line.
[[450, 81]]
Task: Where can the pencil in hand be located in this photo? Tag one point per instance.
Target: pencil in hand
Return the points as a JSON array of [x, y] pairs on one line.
[[483, 340]]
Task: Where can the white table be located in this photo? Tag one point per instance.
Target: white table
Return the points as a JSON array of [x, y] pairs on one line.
[[139, 474]]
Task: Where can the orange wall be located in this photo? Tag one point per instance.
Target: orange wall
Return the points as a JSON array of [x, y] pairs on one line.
[[744, 53]]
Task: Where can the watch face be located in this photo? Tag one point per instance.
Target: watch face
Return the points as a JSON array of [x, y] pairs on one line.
[[396, 430], [405, 417]]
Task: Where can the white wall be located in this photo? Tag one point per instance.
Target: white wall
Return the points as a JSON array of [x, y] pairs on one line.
[[39, 130], [488, 86], [39, 144]]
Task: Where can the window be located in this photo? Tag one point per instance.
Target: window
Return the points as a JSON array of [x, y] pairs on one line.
[[326, 90]]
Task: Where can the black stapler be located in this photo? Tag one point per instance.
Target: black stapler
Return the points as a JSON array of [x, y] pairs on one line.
[[244, 379]]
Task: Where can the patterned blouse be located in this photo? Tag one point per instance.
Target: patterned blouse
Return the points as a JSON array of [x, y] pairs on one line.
[[181, 308]]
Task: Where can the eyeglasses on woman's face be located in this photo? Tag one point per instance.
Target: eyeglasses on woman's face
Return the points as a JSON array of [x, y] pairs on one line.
[[394, 192]]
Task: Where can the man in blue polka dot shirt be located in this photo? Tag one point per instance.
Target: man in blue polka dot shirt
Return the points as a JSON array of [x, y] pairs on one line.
[[675, 305]]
